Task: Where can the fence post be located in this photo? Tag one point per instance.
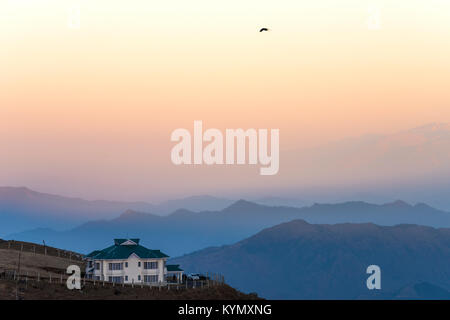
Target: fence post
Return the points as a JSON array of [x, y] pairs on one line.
[[50, 277]]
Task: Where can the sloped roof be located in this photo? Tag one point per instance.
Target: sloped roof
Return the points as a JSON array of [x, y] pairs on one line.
[[122, 241], [173, 267], [119, 251], [93, 253]]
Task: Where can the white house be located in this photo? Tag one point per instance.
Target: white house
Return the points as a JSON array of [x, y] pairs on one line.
[[128, 262]]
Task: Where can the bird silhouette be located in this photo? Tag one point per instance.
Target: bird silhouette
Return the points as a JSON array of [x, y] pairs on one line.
[[263, 29]]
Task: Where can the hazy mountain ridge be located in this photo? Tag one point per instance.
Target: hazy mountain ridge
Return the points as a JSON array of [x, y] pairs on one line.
[[185, 231], [22, 208], [410, 164], [297, 260]]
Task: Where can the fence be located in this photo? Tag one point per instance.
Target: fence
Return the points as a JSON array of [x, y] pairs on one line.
[[38, 277], [210, 280], [39, 249]]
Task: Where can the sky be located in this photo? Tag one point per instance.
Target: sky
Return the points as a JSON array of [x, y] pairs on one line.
[[87, 105]]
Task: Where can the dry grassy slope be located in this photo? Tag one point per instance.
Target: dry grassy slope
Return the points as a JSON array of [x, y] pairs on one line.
[[39, 248], [33, 260], [56, 291], [35, 263]]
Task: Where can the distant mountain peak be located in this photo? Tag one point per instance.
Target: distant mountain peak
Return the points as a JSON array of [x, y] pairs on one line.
[[128, 212], [17, 191], [243, 205], [132, 214], [348, 204], [398, 204], [181, 212]]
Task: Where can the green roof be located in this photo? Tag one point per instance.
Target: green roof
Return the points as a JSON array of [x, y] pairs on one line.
[[173, 267], [122, 251], [93, 253], [120, 241]]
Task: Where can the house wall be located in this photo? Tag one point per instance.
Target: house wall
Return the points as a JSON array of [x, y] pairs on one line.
[[133, 271]]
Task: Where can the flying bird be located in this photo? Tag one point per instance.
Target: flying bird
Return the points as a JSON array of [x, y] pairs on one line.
[[263, 29]]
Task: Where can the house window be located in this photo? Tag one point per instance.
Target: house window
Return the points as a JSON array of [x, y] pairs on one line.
[[116, 279], [115, 266], [139, 278], [126, 264], [90, 264], [126, 278], [151, 265], [152, 278], [97, 266], [139, 264]]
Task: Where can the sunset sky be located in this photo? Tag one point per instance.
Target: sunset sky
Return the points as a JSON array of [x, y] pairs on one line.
[[87, 110]]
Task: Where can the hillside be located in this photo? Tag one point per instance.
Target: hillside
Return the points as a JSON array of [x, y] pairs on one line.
[[36, 259], [57, 291], [298, 260], [51, 266], [185, 231]]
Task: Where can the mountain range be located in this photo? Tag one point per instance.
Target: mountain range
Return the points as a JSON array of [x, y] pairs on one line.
[[298, 260], [184, 231], [22, 208]]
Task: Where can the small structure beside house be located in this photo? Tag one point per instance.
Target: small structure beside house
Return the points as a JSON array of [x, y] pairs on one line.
[[128, 262], [174, 273]]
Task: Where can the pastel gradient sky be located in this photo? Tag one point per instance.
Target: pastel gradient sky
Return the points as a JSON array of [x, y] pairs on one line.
[[88, 111]]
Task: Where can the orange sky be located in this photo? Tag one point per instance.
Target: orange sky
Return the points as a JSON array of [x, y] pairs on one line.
[[89, 111]]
